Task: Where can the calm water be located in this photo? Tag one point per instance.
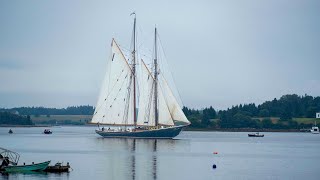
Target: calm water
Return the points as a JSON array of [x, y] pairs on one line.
[[190, 156]]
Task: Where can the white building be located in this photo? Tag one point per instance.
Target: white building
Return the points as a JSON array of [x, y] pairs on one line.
[[318, 115]]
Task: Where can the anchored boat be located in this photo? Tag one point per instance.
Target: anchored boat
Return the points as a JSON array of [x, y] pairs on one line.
[[31, 167], [136, 100], [257, 134], [9, 163]]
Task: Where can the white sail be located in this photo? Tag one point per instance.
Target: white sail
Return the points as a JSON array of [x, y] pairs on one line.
[[168, 107], [146, 98], [165, 116], [115, 103], [171, 102]]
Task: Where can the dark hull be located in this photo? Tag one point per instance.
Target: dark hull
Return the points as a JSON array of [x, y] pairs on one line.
[[165, 133], [255, 135], [57, 169]]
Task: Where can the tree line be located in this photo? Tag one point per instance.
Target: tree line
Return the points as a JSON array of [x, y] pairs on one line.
[[9, 118], [253, 116], [72, 110]]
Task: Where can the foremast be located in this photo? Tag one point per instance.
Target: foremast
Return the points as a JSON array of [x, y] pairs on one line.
[[156, 111], [134, 72]]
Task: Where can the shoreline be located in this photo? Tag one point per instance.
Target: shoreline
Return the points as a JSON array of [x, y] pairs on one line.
[[185, 129], [22, 126]]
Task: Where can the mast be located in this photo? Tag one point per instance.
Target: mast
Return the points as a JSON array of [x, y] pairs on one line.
[[156, 113], [134, 72]]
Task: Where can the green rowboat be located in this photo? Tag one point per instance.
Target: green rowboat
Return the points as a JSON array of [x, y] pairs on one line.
[[9, 163], [31, 167]]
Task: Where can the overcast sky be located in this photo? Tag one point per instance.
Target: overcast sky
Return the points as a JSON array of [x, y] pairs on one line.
[[221, 53]]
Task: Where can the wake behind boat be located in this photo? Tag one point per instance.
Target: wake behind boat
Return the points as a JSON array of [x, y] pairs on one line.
[[137, 105]]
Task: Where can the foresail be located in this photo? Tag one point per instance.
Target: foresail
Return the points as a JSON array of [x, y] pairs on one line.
[[146, 98], [115, 103], [146, 115]]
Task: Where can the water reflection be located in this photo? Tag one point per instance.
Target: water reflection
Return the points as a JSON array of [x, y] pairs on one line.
[[39, 174], [154, 172], [134, 158]]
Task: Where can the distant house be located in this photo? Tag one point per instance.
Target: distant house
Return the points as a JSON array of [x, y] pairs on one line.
[[318, 115]]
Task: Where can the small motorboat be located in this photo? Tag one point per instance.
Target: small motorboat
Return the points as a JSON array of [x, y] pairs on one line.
[[10, 131], [256, 135], [47, 131], [58, 168]]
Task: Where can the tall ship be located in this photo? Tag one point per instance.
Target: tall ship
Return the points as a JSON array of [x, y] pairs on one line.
[[136, 100]]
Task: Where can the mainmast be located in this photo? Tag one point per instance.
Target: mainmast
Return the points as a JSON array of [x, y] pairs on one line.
[[134, 72], [156, 113]]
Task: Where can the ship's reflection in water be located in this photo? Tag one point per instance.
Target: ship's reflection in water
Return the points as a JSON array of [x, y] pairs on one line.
[[136, 158]]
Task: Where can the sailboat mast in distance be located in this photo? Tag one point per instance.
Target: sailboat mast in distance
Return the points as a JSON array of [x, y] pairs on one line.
[[134, 72], [155, 80]]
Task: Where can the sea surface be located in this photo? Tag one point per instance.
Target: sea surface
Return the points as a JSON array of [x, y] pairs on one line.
[[189, 156]]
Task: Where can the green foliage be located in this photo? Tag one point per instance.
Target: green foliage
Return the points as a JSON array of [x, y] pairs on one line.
[[37, 111], [267, 123], [203, 119], [243, 115], [9, 118], [264, 113]]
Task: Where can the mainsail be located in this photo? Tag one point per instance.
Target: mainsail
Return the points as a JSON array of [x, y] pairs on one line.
[[115, 105]]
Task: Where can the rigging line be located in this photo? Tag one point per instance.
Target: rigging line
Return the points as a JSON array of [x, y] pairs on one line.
[[125, 49], [119, 91], [165, 57], [128, 51]]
